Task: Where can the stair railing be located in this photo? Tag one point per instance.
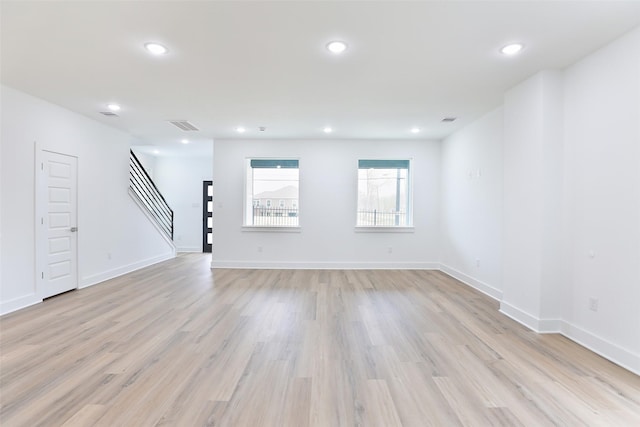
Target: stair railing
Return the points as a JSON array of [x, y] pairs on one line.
[[145, 189]]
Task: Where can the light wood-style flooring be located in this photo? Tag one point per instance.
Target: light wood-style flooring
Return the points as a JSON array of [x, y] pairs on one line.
[[178, 344]]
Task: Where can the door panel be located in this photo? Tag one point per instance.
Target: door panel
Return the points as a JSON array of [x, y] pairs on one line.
[[59, 220]]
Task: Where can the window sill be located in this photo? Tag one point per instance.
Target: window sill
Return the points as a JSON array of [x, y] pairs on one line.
[[384, 229], [274, 229]]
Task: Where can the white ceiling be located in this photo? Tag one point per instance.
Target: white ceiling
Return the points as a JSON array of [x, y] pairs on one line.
[[251, 64]]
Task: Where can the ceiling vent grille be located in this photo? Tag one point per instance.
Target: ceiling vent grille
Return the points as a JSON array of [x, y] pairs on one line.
[[449, 119], [109, 114], [183, 125]]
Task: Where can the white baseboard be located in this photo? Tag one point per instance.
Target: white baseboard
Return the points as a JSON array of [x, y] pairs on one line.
[[541, 326], [269, 265], [610, 351], [110, 274], [15, 304], [483, 287], [519, 316]]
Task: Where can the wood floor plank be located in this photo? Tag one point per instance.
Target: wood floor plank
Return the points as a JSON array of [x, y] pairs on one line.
[[380, 409], [179, 344], [86, 416]]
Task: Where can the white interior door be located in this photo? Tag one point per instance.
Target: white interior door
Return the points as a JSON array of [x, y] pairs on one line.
[[59, 223]]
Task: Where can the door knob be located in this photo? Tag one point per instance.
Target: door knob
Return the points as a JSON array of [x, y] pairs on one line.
[[74, 229]]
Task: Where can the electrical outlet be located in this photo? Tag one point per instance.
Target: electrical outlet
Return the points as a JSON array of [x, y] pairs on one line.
[[259, 248], [390, 250], [593, 304], [478, 262], [108, 255]]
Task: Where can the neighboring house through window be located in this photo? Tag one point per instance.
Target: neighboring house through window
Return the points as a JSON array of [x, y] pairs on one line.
[[272, 180]]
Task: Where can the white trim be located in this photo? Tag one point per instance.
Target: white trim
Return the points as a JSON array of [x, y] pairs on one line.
[[271, 229], [39, 210], [360, 229], [336, 265], [16, 304], [540, 326], [152, 220], [623, 357], [519, 316], [619, 355], [110, 274], [478, 285]]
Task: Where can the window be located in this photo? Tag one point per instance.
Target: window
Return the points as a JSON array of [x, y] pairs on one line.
[[383, 193], [267, 180]]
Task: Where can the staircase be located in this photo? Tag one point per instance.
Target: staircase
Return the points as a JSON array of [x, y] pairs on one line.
[[149, 197]]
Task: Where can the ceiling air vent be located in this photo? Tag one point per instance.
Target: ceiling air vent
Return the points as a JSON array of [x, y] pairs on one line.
[[183, 125], [109, 114], [449, 119]]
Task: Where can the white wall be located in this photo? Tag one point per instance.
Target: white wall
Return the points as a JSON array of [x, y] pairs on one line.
[[471, 206], [571, 201], [328, 189], [114, 236], [148, 162], [602, 154], [532, 201], [179, 179], [1, 195]]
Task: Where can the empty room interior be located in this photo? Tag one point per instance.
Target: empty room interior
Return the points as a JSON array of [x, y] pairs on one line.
[[320, 213]]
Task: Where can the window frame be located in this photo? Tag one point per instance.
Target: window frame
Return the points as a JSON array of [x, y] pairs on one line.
[[249, 197], [409, 227]]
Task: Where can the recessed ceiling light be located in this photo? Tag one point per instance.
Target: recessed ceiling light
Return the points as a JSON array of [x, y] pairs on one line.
[[156, 152], [240, 129], [511, 49], [415, 130], [156, 48], [113, 107], [327, 130], [336, 47], [185, 141]]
